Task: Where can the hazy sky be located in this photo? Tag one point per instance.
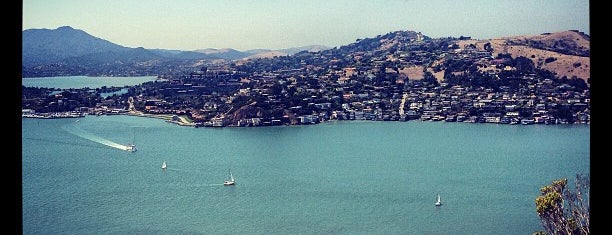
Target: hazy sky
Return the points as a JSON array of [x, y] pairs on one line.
[[278, 24]]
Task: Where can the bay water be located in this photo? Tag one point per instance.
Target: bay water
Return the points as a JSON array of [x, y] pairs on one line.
[[343, 177], [77, 82]]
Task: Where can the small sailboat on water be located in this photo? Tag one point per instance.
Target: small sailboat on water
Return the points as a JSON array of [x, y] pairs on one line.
[[231, 180], [131, 147], [438, 202], [163, 166]]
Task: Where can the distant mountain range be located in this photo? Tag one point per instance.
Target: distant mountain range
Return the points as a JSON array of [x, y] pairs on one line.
[[44, 46], [69, 51], [232, 54]]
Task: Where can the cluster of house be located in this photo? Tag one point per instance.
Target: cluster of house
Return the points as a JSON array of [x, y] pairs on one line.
[[537, 102], [460, 104], [30, 113]]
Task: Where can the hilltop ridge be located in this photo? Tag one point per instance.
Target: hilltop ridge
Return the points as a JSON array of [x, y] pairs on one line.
[[69, 51], [565, 53]]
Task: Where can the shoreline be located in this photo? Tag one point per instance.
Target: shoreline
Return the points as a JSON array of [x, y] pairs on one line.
[[183, 121]]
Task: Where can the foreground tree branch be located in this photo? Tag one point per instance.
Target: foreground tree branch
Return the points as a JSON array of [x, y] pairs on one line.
[[563, 211]]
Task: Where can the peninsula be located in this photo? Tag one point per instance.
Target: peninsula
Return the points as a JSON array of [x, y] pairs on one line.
[[399, 76]]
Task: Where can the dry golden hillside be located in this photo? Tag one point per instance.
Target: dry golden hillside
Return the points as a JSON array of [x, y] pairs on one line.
[[413, 72], [565, 53]]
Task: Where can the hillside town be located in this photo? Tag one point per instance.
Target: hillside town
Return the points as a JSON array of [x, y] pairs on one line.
[[400, 76]]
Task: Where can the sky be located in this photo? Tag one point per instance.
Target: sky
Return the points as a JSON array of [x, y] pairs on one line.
[[279, 24]]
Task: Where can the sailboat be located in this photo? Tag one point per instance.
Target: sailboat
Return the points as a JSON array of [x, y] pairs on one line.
[[231, 181], [438, 202], [164, 165], [131, 147]]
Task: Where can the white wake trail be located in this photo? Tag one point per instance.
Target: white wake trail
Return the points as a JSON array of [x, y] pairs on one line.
[[73, 129]]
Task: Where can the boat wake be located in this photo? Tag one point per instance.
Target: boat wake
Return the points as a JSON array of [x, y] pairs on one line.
[[175, 169], [73, 143], [86, 135]]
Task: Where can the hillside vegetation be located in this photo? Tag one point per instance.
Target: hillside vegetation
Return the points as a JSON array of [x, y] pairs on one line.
[[567, 53]]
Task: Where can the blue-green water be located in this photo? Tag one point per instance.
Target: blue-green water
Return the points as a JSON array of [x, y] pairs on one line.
[[77, 82], [119, 92], [332, 178]]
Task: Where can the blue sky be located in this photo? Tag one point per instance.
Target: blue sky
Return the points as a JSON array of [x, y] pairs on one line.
[[277, 24]]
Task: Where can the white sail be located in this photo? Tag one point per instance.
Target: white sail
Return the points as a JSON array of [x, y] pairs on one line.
[[131, 147], [231, 181]]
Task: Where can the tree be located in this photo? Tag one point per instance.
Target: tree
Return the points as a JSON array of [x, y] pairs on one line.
[[562, 211], [524, 65], [430, 78], [488, 47]]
